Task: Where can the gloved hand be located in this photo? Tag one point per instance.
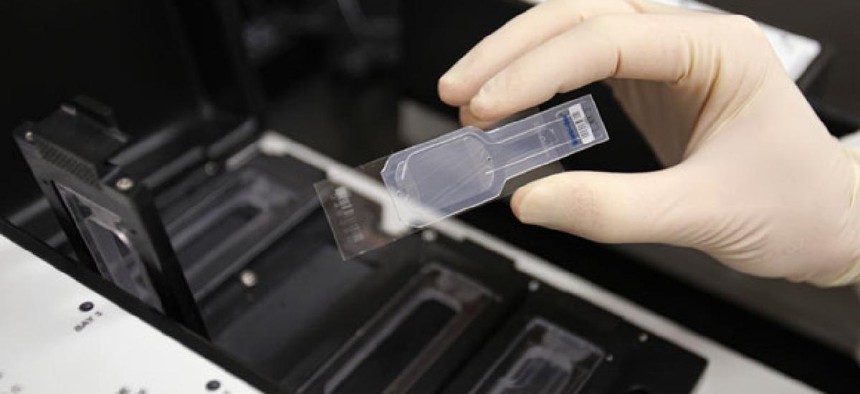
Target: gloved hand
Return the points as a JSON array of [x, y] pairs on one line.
[[753, 177]]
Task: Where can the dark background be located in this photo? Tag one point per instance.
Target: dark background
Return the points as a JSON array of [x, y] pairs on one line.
[[332, 76], [322, 79]]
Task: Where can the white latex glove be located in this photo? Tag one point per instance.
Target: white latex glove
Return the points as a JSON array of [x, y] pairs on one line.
[[753, 177]]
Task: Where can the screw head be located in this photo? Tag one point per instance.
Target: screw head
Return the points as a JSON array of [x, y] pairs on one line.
[[429, 235], [248, 278], [211, 168], [124, 184], [29, 136], [643, 337]]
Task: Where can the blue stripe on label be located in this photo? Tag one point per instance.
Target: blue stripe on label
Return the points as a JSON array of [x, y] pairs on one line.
[[574, 139]]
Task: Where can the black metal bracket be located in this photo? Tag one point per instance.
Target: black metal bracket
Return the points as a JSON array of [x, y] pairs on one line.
[[107, 212]]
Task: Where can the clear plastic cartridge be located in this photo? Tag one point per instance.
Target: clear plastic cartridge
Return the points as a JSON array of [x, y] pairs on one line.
[[393, 196], [469, 167]]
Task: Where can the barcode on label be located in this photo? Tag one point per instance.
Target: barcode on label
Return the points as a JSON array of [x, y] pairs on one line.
[[580, 124]]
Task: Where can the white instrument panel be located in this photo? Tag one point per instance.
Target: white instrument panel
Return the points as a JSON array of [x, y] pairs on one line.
[[52, 342]]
